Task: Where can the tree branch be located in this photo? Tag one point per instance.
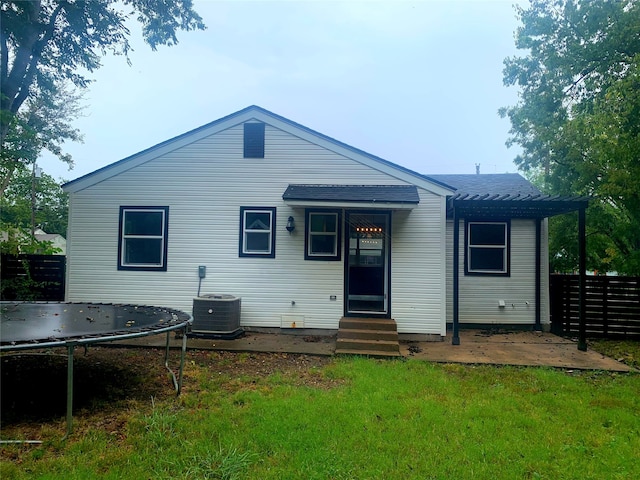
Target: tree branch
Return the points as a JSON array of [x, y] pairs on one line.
[[36, 55], [14, 79], [585, 73], [4, 57], [7, 177]]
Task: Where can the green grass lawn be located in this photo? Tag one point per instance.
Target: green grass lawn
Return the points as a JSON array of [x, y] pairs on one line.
[[362, 419]]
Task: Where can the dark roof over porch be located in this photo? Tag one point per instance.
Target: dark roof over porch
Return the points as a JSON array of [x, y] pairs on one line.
[[510, 196], [407, 194], [503, 195]]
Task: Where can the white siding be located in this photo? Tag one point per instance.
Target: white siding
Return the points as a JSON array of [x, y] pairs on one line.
[[479, 295], [204, 184], [417, 267]]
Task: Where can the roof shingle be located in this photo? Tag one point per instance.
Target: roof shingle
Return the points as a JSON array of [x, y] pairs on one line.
[[488, 184], [353, 193]]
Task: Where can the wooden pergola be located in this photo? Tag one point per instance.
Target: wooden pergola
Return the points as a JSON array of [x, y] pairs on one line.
[[534, 206]]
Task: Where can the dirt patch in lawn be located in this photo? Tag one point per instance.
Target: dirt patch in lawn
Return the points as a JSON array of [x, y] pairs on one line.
[[109, 382], [624, 351]]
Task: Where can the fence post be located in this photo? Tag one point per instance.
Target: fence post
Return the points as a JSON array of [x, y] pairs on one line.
[[582, 249], [605, 309], [566, 297]]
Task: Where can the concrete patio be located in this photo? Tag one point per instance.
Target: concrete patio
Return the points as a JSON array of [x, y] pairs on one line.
[[525, 348]]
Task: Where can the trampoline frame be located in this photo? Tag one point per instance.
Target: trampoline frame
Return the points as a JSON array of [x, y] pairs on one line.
[[70, 343]]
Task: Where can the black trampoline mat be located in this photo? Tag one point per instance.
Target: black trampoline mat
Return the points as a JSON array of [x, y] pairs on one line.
[[33, 323]]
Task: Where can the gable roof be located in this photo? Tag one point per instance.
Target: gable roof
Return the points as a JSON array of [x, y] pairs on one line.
[[260, 114]]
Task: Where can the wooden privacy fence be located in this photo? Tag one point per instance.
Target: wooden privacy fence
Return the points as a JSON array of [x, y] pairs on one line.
[[612, 306], [32, 277]]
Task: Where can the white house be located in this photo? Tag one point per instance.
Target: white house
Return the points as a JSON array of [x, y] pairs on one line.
[[57, 241], [307, 230]]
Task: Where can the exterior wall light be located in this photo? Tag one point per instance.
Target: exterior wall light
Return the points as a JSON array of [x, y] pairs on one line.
[[291, 225]]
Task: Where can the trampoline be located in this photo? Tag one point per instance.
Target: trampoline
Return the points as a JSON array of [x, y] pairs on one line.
[[37, 325]]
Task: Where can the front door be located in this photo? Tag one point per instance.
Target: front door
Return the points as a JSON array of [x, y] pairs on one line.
[[367, 264]]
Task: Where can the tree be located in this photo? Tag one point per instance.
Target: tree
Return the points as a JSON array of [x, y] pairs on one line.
[[578, 119], [45, 44], [43, 123], [43, 196]]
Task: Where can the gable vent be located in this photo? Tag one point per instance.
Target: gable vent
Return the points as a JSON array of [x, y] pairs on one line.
[[254, 140]]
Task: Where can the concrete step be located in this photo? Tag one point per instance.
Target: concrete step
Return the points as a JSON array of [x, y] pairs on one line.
[[368, 323], [370, 345], [368, 353], [374, 337], [390, 335]]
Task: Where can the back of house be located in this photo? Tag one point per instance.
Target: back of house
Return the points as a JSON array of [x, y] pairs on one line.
[[367, 237], [304, 229]]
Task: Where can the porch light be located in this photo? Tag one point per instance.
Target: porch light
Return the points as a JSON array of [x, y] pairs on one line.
[[291, 225]]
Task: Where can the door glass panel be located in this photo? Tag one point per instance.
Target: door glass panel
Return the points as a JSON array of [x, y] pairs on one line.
[[367, 263]]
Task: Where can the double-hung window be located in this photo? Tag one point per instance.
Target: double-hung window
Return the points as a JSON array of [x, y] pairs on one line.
[[142, 243], [257, 232], [322, 235], [487, 248]]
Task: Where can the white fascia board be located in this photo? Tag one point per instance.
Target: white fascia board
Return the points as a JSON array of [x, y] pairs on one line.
[[354, 205]]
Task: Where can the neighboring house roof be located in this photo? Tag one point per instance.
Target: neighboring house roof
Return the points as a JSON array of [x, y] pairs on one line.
[[248, 114], [48, 237], [353, 193], [57, 240]]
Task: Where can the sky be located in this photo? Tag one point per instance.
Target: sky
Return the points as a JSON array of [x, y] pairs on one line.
[[418, 83]]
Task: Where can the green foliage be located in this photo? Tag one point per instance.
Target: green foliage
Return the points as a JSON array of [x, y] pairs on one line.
[[50, 201], [54, 40], [45, 45], [44, 123], [578, 119], [16, 240], [24, 287]]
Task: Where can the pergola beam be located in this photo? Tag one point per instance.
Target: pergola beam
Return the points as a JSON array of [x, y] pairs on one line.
[[464, 206], [456, 278], [538, 325]]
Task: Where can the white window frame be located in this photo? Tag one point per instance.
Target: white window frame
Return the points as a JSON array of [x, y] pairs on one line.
[[244, 232]]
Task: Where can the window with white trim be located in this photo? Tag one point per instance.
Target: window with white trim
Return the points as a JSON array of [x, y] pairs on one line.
[[142, 244], [322, 235], [257, 232], [487, 248]]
